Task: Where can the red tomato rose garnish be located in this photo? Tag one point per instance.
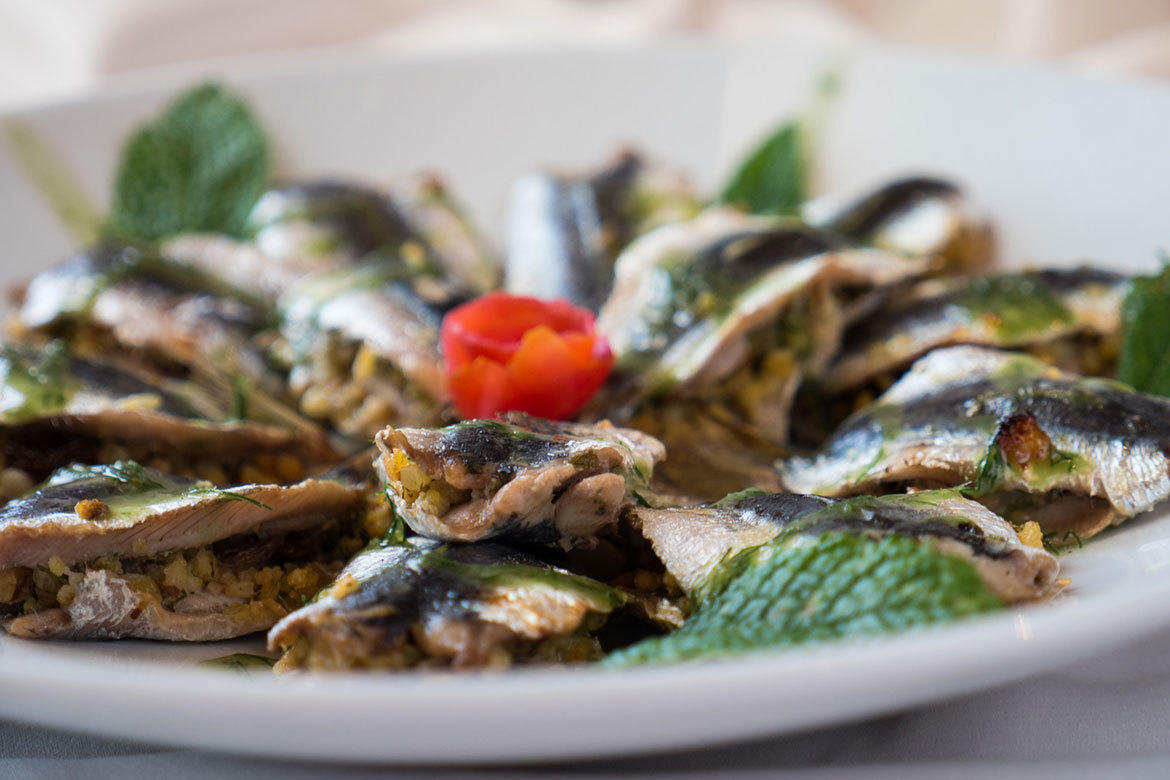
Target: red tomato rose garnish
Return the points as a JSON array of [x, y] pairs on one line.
[[511, 353]]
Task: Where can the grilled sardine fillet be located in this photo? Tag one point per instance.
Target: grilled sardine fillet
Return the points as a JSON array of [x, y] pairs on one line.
[[1035, 443], [688, 295], [132, 299], [171, 320], [360, 280], [1031, 309], [467, 605], [363, 347], [692, 541], [105, 552], [446, 228], [300, 230], [735, 309], [303, 229], [566, 229], [917, 215], [520, 479], [57, 408]]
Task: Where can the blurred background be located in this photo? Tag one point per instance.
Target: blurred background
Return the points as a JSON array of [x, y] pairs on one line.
[[56, 48]]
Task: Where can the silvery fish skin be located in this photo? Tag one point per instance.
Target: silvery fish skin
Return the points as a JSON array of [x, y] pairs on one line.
[[521, 479], [305, 229], [565, 230], [1090, 451], [395, 373], [688, 295], [57, 408], [397, 604], [736, 309], [1003, 310], [692, 541], [149, 512], [325, 223], [917, 215], [447, 229], [83, 513], [163, 313]]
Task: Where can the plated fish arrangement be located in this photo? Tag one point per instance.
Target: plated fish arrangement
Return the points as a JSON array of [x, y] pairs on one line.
[[659, 426]]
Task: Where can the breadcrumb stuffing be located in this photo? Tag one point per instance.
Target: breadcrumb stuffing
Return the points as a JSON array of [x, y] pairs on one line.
[[344, 586], [91, 509], [1031, 535]]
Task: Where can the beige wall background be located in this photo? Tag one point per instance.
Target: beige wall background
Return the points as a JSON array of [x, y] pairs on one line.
[[56, 48]]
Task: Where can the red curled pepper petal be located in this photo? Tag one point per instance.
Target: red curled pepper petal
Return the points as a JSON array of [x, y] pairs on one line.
[[551, 376], [481, 389], [492, 326], [506, 352]]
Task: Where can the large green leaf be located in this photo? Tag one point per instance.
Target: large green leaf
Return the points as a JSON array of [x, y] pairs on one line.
[[1144, 361], [199, 167], [796, 589], [773, 178]]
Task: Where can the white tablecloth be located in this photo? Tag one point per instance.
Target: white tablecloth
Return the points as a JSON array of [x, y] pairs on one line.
[[1109, 717]]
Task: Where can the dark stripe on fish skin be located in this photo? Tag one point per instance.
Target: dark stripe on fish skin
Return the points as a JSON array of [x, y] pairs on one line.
[[114, 383], [63, 497], [580, 219], [703, 286], [871, 426], [364, 219], [967, 534], [589, 215], [479, 444], [1105, 412], [132, 270], [388, 597], [743, 257], [1070, 280], [947, 306], [228, 312], [1083, 407], [1087, 409], [874, 211], [413, 591], [95, 377], [882, 326], [814, 515], [783, 507]]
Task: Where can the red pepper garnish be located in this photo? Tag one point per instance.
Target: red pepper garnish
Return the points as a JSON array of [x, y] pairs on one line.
[[512, 353]]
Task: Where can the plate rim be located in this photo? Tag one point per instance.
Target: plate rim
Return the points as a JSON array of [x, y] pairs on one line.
[[1116, 619]]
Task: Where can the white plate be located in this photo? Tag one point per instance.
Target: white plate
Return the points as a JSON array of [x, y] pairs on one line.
[[1070, 168]]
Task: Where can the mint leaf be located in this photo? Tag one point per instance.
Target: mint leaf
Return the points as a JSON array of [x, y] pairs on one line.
[[793, 590], [199, 167], [1144, 362], [773, 178]]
